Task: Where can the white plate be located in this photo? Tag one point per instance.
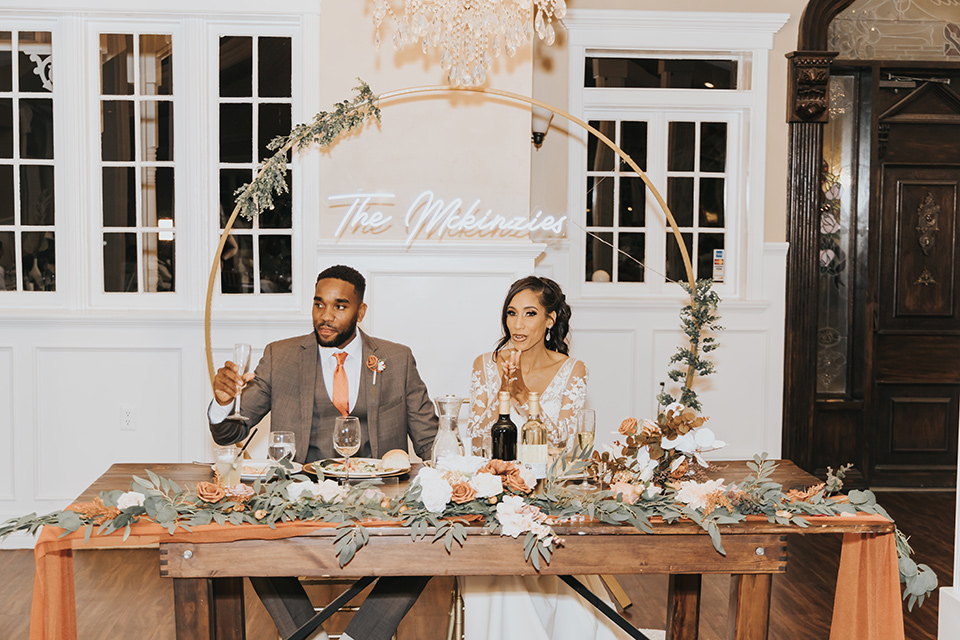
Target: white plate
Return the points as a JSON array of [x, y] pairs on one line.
[[338, 473], [253, 469]]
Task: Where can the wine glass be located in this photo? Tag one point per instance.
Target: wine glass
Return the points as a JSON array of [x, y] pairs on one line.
[[586, 429], [282, 445], [241, 357], [346, 440]]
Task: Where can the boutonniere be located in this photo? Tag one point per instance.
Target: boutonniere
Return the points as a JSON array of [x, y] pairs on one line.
[[376, 365]]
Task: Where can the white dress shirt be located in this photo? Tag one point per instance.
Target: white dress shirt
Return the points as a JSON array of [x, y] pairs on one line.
[[353, 364]]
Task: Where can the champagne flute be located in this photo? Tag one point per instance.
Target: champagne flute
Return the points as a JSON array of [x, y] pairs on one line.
[[346, 440], [586, 429], [241, 357], [282, 445]]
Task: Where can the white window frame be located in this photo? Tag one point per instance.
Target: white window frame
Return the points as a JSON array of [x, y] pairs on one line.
[[745, 37], [77, 145]]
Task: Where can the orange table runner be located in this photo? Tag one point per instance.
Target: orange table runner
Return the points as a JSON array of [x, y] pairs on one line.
[[867, 605]]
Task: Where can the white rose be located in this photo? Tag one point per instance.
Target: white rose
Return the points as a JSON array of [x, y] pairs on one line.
[[528, 476], [329, 491], [296, 490], [130, 499], [487, 485], [513, 524], [435, 492], [651, 491], [464, 464]]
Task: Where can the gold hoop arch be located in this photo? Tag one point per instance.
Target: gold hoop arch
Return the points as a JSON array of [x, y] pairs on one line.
[[402, 93]]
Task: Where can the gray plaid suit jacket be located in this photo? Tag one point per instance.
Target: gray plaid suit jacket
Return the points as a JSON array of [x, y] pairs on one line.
[[288, 378]]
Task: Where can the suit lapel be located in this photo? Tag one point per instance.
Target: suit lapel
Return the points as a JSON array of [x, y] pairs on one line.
[[370, 348], [309, 364]]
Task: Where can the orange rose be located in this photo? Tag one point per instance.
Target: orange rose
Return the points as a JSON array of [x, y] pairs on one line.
[[372, 363], [515, 482], [463, 493], [209, 492], [628, 427]]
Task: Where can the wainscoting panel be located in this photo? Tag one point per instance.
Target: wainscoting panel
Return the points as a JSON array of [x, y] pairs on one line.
[[7, 453], [81, 400], [611, 358]]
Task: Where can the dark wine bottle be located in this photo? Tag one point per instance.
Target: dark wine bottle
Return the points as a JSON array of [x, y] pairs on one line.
[[503, 432]]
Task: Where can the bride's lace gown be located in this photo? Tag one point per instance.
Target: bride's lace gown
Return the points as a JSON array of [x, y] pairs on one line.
[[530, 607]]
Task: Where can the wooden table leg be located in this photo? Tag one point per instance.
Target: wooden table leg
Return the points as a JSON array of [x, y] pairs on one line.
[[228, 608], [749, 606], [192, 602], [209, 609], [683, 607]]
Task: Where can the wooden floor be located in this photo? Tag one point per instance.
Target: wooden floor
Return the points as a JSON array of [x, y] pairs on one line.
[[120, 593]]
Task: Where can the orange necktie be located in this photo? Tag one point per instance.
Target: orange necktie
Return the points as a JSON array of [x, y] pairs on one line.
[[341, 388]]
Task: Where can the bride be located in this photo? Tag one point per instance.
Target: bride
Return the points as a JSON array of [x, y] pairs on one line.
[[535, 321]]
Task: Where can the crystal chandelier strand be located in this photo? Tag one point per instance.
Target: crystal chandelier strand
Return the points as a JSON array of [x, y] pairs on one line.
[[469, 34]]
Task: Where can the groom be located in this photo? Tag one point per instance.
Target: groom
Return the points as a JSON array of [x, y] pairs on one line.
[[305, 383]]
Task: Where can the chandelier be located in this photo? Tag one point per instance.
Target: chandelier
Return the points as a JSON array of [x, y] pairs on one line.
[[470, 33]]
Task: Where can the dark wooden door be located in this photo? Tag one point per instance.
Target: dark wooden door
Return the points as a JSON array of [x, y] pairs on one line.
[[916, 340]]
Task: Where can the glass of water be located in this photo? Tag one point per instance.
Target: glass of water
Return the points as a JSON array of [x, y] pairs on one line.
[[282, 445]]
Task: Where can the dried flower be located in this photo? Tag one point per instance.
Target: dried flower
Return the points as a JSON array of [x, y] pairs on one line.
[[241, 492], [462, 493], [260, 514], [695, 494], [628, 492], [96, 510], [209, 492], [628, 427]]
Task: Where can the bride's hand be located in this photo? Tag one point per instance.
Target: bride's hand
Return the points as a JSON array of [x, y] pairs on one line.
[[511, 377]]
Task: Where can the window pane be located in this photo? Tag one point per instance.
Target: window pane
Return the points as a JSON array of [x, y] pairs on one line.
[[274, 120], [236, 265], [275, 264], [633, 141], [707, 242], [8, 260], [236, 66], [156, 65], [39, 261], [281, 216], [599, 202], [599, 155], [6, 194], [713, 146], [236, 133], [6, 64], [36, 128], [675, 268], [36, 195], [632, 202], [158, 263], [711, 202], [6, 128], [116, 64], [119, 197], [680, 200], [681, 145], [632, 245], [230, 181], [660, 73], [35, 62], [274, 68], [157, 196], [116, 138], [120, 262], [157, 130], [599, 258]]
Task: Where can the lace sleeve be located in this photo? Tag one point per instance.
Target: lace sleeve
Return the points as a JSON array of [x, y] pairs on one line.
[[573, 398], [482, 405]]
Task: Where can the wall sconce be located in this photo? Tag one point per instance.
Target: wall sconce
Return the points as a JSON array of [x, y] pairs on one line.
[[540, 122]]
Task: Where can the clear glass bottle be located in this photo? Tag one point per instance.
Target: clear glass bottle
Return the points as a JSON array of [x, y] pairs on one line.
[[503, 433], [533, 439]]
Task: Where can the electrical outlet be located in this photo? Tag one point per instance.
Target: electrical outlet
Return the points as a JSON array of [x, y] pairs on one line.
[[128, 418]]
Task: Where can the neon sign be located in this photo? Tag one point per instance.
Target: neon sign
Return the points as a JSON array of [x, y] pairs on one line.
[[431, 217]]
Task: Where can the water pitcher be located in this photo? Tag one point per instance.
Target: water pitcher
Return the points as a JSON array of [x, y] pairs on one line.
[[448, 441]]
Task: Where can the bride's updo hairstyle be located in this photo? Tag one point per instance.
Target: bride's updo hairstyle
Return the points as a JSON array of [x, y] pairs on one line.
[[552, 300]]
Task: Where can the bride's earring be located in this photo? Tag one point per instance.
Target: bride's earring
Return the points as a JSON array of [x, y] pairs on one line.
[[547, 337]]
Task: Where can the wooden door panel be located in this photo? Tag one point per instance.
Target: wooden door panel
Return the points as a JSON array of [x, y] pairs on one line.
[[918, 262], [916, 430], [917, 358]]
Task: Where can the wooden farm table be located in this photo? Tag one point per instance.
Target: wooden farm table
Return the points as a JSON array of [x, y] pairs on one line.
[[208, 564]]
